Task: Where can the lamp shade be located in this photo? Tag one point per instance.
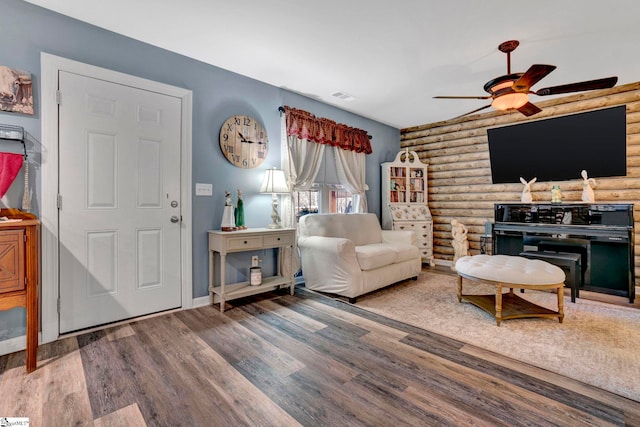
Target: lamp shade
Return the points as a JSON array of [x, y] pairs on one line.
[[506, 100], [274, 182], [510, 101]]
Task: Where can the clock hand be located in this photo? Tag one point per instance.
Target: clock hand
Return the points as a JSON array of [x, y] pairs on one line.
[[243, 139]]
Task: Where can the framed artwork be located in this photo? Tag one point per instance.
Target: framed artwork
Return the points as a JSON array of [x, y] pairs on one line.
[[16, 95]]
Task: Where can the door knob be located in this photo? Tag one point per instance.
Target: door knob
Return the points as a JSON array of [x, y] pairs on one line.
[[175, 219]]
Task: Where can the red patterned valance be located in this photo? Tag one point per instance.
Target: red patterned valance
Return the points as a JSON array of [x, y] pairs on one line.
[[305, 125]]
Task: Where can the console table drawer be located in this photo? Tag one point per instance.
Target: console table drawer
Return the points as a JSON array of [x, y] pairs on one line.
[[278, 240], [252, 242]]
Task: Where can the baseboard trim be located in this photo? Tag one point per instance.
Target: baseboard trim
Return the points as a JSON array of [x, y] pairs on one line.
[[446, 262], [13, 344], [201, 301]]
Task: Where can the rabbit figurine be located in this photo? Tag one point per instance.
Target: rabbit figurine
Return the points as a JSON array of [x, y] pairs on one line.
[[526, 191], [587, 188]]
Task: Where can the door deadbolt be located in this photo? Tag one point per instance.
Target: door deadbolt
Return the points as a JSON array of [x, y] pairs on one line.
[[174, 204]]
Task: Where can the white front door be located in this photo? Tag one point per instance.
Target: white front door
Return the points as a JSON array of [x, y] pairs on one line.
[[119, 213]]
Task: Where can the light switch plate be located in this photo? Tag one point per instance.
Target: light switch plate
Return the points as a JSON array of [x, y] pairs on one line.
[[204, 189]]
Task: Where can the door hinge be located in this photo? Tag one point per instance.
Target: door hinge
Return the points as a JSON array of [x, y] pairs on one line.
[[59, 201], [58, 97], [25, 280], [24, 238], [58, 304]]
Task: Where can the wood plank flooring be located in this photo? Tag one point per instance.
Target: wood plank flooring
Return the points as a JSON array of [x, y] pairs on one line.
[[282, 360]]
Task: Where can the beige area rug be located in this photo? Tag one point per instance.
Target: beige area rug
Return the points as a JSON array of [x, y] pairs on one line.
[[597, 343]]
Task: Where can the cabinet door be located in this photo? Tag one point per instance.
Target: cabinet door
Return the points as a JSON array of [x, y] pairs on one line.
[[11, 260], [417, 185], [397, 184]]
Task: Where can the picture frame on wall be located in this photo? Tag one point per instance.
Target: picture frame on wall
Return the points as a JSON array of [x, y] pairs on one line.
[[16, 94]]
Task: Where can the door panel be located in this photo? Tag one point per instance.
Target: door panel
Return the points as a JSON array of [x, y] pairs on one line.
[[119, 172]]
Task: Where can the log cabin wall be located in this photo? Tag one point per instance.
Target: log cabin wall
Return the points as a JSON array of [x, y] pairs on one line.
[[459, 175]]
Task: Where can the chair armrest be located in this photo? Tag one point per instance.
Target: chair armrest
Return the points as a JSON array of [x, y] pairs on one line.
[[400, 236], [330, 264], [328, 249]]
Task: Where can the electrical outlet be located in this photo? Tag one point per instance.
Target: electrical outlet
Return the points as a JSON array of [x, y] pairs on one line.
[[254, 261]]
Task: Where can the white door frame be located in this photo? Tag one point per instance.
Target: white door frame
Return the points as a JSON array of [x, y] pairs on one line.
[[50, 66]]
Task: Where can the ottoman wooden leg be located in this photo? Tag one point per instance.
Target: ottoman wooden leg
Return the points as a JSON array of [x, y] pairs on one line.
[[498, 304], [459, 288], [560, 292]]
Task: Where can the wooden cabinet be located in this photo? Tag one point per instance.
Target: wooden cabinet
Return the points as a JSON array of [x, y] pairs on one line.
[[404, 200], [19, 276], [251, 239]]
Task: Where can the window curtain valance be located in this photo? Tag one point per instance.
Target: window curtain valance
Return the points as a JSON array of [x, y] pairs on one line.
[[305, 125]]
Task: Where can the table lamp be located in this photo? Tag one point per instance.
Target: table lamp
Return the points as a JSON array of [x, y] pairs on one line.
[[275, 183]]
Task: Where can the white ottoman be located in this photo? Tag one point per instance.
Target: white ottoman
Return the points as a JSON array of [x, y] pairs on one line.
[[511, 272]]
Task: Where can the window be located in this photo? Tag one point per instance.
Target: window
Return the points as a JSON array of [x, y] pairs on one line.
[[326, 195], [322, 198]]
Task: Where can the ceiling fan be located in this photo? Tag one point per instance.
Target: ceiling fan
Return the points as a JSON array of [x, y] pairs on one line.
[[511, 91]]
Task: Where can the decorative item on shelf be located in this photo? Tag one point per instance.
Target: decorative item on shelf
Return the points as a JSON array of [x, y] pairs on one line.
[[274, 183], [556, 194], [10, 165], [228, 220], [239, 212], [256, 276], [588, 195], [526, 191]]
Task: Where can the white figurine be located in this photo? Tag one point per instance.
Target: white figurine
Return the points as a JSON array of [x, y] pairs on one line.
[[526, 191], [587, 188], [459, 241]]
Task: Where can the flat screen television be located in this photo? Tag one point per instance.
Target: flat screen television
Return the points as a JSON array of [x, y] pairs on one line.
[[559, 148]]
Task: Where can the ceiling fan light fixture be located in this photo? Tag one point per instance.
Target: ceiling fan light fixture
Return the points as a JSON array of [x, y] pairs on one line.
[[511, 91], [510, 101]]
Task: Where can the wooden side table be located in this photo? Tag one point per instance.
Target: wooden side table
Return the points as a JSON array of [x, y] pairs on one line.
[[251, 239], [19, 275]]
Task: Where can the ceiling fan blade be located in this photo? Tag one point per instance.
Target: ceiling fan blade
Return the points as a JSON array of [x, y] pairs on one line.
[[471, 112], [533, 75], [529, 109], [462, 97], [605, 83]]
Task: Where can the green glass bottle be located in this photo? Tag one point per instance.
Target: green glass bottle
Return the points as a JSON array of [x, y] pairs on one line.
[[239, 212]]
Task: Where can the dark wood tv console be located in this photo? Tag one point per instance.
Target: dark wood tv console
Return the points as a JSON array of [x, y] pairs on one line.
[[601, 233]]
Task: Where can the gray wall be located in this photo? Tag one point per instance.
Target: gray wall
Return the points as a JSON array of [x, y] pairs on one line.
[[27, 30]]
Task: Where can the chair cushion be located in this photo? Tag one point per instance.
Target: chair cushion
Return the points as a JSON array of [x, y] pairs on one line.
[[404, 251], [375, 255]]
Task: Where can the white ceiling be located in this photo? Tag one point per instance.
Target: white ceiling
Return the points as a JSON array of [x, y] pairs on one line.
[[392, 56]]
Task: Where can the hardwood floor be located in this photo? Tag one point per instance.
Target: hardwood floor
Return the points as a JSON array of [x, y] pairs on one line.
[[281, 360]]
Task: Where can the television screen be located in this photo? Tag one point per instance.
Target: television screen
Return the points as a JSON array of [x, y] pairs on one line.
[[559, 148]]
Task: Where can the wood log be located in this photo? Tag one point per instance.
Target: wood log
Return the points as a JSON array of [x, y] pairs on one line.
[[461, 165], [448, 173], [461, 205]]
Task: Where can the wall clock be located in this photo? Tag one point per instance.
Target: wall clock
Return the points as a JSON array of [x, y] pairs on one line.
[[243, 141]]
